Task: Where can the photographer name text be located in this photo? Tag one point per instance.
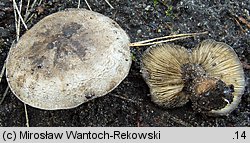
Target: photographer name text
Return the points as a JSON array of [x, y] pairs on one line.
[[76, 135]]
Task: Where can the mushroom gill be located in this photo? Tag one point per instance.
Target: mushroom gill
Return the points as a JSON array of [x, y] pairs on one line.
[[210, 76]]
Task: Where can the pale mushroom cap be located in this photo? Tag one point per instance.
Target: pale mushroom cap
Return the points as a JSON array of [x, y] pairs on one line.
[[68, 58], [161, 69]]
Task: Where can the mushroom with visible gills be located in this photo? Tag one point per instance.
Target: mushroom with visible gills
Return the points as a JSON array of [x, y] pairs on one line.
[[68, 58], [210, 76]]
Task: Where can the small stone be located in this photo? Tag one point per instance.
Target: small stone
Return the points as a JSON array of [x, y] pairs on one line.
[[2, 14], [139, 31], [147, 8]]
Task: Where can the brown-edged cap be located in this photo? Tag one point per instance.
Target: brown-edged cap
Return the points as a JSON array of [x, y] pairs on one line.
[[220, 61], [68, 58]]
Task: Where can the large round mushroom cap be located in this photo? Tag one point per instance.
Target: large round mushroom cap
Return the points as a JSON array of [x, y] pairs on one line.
[[68, 58]]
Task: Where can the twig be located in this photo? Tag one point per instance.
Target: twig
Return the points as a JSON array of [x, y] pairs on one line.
[[88, 5], [109, 4], [174, 37], [4, 94]]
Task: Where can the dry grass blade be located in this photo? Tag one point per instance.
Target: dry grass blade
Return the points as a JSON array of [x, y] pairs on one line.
[[27, 16], [18, 25], [26, 115], [167, 39], [179, 121], [27, 19], [27, 10], [171, 36], [244, 21], [158, 42], [4, 95], [19, 17], [40, 2], [19, 14], [2, 72], [88, 5], [79, 3], [109, 4], [17, 37], [124, 98]]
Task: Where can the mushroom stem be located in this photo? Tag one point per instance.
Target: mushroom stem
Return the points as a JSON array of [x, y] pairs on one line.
[[215, 96], [206, 93]]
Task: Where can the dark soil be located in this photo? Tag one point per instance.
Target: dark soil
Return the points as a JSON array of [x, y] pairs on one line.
[[129, 104]]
